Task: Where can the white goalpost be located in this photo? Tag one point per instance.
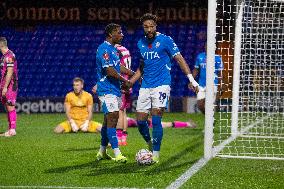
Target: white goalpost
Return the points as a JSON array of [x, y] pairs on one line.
[[248, 119]]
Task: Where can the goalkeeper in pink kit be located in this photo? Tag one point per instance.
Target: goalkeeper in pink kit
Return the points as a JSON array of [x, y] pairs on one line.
[[9, 85]]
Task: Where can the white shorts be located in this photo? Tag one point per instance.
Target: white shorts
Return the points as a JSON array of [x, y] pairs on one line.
[[153, 98], [110, 103], [202, 90]]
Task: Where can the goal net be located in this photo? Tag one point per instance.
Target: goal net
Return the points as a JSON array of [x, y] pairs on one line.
[[249, 116]]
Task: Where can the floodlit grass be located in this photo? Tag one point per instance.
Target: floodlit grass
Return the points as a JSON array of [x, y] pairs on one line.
[[38, 157], [239, 173]]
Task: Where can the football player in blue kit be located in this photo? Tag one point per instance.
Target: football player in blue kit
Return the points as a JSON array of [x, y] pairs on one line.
[[200, 68], [109, 91], [157, 51]]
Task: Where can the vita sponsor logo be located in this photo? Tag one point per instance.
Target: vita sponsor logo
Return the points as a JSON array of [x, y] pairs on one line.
[[150, 55]]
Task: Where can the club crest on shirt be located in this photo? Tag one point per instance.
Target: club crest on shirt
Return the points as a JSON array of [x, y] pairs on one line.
[[157, 44], [106, 56]]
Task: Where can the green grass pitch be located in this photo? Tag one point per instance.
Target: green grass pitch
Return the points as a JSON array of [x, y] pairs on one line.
[[38, 157]]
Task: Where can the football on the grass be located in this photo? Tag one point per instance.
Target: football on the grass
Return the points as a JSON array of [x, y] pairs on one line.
[[144, 157]]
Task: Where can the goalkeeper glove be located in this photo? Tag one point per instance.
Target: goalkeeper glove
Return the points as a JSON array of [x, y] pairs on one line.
[[73, 125], [85, 126]]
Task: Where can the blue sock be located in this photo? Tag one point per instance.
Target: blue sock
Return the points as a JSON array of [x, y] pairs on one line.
[[144, 130], [104, 140], [111, 134], [157, 132]]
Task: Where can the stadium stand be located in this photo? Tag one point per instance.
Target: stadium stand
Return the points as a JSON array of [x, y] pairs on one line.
[[50, 56]]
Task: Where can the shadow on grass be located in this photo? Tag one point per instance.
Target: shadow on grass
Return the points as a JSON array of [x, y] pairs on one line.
[[110, 167], [81, 149], [168, 164], [72, 167], [134, 168], [100, 168]]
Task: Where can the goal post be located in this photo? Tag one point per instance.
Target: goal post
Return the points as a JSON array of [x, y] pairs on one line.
[[210, 66], [236, 69], [248, 119]]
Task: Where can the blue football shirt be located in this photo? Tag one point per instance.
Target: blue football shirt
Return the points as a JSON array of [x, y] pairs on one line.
[[107, 56], [157, 57], [200, 63]]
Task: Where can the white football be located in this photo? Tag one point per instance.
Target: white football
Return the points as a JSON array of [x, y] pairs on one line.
[[144, 157]]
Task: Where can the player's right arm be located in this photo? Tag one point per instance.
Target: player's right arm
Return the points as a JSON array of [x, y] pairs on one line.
[[108, 66], [111, 72], [90, 104], [126, 71], [67, 106], [138, 74], [67, 111]]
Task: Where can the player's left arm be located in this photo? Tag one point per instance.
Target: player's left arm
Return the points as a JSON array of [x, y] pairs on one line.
[[10, 71], [175, 53], [184, 67], [182, 64], [90, 112]]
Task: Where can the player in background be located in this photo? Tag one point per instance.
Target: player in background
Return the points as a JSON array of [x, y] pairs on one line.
[[79, 110], [109, 90], [121, 129], [157, 51], [200, 68], [175, 124], [9, 85]]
